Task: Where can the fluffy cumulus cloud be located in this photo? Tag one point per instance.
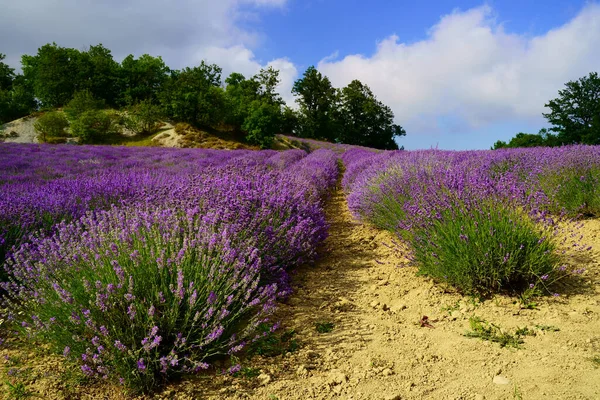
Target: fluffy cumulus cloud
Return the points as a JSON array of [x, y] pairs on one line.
[[470, 73], [183, 32]]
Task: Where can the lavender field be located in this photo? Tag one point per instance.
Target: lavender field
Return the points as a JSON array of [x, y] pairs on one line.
[[144, 264], [140, 266]]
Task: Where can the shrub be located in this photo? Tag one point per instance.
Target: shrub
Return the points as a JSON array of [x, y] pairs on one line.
[[573, 191], [94, 126], [478, 234], [483, 250], [140, 297], [52, 124], [80, 103], [262, 124], [143, 118]]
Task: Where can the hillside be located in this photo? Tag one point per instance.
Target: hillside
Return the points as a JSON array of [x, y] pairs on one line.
[[179, 135]]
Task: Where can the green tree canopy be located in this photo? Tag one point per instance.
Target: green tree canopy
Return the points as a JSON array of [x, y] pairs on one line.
[[194, 95], [543, 138], [365, 120], [7, 74], [16, 96], [575, 114], [55, 74], [317, 99], [142, 78]]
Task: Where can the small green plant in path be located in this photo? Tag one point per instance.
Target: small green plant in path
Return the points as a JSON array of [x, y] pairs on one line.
[[17, 390], [272, 344], [547, 328], [492, 332], [324, 327], [596, 361]]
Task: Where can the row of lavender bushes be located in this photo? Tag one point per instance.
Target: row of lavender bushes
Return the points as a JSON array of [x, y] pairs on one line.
[[180, 264], [482, 221]]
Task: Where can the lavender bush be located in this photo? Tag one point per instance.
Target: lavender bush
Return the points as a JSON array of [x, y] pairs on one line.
[[178, 266], [482, 221]]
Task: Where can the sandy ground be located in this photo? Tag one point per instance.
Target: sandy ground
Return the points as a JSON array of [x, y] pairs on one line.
[[23, 127], [378, 349]]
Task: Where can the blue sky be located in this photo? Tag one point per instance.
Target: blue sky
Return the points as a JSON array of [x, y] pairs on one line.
[[457, 74]]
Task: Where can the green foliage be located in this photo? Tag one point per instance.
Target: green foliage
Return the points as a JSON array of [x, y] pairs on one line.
[[492, 332], [143, 118], [94, 126], [543, 138], [289, 120], [478, 263], [142, 79], [7, 74], [547, 328], [596, 361], [262, 123], [90, 79], [245, 372], [80, 103], [194, 95], [51, 125], [17, 390], [324, 327], [271, 344], [365, 120], [575, 114], [574, 191], [16, 98], [352, 115], [52, 72], [103, 75], [317, 99]]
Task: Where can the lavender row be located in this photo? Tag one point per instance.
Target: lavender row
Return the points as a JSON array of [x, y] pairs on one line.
[[178, 271], [482, 221], [46, 184]]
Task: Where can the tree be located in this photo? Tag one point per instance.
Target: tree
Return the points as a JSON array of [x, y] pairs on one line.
[[7, 74], [103, 76], [94, 126], [143, 117], [365, 120], [317, 99], [194, 95], [541, 139], [52, 124], [81, 102], [268, 80], [142, 78], [254, 106], [262, 123], [16, 97], [240, 93], [289, 120], [575, 114], [54, 74]]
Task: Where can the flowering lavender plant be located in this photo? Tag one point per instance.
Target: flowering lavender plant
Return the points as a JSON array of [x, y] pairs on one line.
[[482, 221], [179, 268]]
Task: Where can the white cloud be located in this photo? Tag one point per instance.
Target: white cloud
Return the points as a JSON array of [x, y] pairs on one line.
[[469, 68], [181, 31]]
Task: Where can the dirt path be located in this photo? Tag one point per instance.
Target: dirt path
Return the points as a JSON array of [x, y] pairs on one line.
[[378, 349]]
